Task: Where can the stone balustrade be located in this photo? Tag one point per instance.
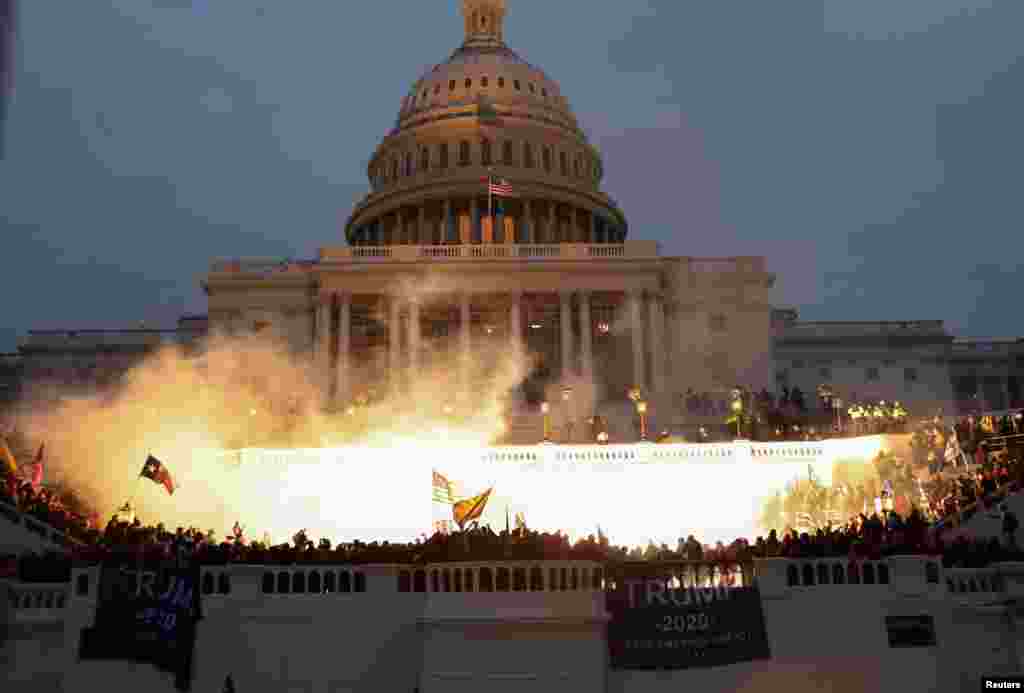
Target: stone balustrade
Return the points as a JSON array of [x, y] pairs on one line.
[[34, 602], [43, 535]]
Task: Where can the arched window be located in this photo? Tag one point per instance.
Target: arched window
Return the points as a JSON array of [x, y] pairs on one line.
[[527, 155], [360, 582], [563, 163], [574, 579], [547, 159], [424, 158], [469, 83], [501, 82], [451, 85], [519, 579], [564, 582], [553, 579], [299, 582], [457, 584], [329, 581], [508, 153], [223, 584], [419, 581], [442, 161], [314, 583], [283, 582], [515, 83], [435, 581], [268, 583], [345, 581], [486, 580], [463, 153], [483, 82], [869, 573], [485, 152], [503, 580], [82, 584], [446, 580], [792, 576], [822, 574], [536, 579], [838, 576]]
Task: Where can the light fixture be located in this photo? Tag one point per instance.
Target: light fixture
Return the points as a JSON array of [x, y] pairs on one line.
[[545, 407], [641, 407], [604, 328], [535, 326]]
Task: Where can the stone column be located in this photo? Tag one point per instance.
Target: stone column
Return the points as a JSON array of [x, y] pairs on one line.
[[586, 336], [414, 339], [446, 220], [656, 315], [464, 338], [528, 224], [421, 228], [637, 336], [515, 323], [341, 381], [394, 344], [567, 347], [553, 223], [324, 336], [472, 221]]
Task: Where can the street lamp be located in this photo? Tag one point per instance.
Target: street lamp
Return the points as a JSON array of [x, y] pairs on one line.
[[737, 411], [545, 409], [567, 397], [641, 409]]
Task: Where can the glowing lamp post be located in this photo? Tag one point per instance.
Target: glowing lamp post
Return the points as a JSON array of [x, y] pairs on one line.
[[567, 398], [737, 412], [641, 409], [545, 410]]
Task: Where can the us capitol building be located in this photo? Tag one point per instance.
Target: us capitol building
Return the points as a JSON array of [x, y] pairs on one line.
[[434, 267], [555, 269]]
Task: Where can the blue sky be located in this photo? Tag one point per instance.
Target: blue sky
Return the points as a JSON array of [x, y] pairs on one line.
[[871, 149]]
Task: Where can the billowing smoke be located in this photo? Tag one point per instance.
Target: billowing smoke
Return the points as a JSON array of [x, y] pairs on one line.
[[186, 409]]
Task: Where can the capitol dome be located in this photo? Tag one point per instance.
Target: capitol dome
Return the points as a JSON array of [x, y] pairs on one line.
[[485, 113]]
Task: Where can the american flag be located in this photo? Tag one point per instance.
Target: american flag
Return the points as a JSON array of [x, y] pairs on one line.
[[499, 187]]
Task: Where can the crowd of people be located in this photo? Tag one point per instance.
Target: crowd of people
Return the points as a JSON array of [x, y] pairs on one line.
[[949, 493]]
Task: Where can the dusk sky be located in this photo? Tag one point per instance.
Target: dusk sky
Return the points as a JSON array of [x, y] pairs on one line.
[[871, 149]]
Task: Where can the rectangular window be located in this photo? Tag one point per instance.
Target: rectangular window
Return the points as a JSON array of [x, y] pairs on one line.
[[871, 375], [910, 375]]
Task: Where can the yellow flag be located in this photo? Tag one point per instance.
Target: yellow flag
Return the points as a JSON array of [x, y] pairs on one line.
[[471, 508], [7, 457]]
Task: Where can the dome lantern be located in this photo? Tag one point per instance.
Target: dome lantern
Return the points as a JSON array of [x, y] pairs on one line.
[[485, 21]]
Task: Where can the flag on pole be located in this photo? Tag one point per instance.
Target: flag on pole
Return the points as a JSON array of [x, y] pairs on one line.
[[442, 489], [471, 508], [499, 187], [37, 468], [155, 471], [7, 457]]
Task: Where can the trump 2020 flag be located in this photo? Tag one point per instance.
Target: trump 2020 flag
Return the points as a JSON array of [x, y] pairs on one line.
[[157, 472]]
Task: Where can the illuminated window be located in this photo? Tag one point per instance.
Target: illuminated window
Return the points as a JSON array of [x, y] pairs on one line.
[[483, 82], [451, 85], [468, 83], [501, 82]]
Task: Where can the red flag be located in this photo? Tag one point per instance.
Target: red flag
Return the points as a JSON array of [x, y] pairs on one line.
[[155, 471], [37, 468]]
